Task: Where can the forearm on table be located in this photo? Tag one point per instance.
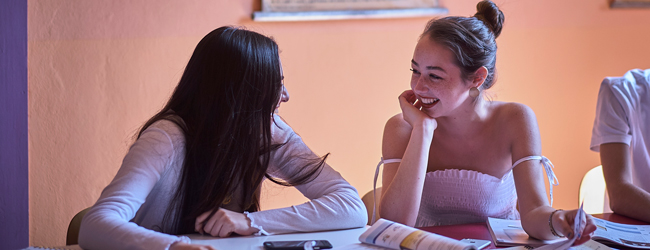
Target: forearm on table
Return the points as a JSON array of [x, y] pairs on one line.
[[630, 200], [105, 228], [536, 223], [339, 210], [625, 198], [401, 198]]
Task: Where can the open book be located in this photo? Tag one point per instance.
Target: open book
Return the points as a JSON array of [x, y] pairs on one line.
[[393, 235], [634, 236], [510, 233]]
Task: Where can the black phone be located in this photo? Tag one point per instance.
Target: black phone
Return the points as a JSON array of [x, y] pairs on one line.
[[296, 245]]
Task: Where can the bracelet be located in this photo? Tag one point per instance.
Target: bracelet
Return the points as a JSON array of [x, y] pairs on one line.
[[550, 224]]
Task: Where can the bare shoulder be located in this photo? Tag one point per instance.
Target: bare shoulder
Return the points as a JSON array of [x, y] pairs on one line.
[[397, 133], [514, 114], [397, 123], [519, 123]]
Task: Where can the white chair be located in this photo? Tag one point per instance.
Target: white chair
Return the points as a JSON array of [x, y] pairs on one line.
[[593, 192]]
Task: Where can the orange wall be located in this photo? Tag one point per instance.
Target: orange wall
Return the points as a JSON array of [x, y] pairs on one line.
[[99, 69]]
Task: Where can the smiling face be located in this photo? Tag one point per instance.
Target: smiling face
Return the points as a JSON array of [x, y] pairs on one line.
[[436, 80]]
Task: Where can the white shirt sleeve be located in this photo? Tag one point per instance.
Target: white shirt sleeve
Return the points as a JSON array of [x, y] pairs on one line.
[[107, 225], [611, 124], [334, 203]]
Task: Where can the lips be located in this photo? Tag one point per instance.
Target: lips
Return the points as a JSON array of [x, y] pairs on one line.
[[428, 102]]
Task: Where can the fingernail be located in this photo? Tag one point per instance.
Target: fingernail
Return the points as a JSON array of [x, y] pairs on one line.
[[570, 235]]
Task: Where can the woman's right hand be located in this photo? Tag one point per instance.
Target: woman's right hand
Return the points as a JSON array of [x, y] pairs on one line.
[[185, 246], [411, 112], [223, 223], [563, 223]]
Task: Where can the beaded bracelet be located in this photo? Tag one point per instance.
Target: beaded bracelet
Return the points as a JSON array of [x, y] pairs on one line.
[[550, 224]]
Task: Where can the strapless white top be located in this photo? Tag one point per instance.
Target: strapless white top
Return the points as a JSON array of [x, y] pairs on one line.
[[455, 196]]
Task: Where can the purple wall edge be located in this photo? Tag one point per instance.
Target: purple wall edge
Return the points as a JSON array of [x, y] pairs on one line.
[[14, 161]]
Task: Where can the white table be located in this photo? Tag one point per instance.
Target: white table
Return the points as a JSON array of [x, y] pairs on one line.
[[338, 238]]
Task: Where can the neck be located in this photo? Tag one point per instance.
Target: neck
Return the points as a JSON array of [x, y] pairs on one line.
[[466, 118]]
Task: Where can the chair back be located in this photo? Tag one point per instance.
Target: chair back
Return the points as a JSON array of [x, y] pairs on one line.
[[72, 237], [369, 201], [593, 192]]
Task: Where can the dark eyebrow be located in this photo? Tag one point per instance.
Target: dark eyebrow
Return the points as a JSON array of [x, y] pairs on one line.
[[429, 67]]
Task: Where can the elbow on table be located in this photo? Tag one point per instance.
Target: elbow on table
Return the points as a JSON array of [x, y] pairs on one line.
[[394, 215], [617, 206], [86, 232], [95, 231], [339, 210], [620, 197], [534, 232], [397, 218], [357, 215]]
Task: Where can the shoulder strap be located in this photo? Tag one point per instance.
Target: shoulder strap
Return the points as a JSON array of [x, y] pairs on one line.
[[548, 167], [374, 185]]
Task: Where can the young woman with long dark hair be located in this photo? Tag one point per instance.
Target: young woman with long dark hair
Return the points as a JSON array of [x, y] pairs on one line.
[[453, 157], [198, 164]]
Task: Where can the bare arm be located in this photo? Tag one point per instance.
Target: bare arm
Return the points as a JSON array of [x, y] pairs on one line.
[[625, 198], [529, 176], [407, 136], [533, 205], [403, 182], [529, 181]]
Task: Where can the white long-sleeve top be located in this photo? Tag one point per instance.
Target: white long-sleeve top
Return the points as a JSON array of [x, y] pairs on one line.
[[129, 212]]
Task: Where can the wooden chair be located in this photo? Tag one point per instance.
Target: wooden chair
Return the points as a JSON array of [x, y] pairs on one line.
[[369, 201], [73, 229]]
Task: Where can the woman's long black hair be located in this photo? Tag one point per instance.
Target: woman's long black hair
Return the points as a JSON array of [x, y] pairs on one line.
[[224, 104]]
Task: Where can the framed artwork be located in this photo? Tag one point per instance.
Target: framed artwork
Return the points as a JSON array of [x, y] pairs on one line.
[[312, 10], [630, 4], [328, 5]]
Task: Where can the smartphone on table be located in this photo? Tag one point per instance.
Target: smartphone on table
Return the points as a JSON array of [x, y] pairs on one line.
[[479, 244], [296, 245]]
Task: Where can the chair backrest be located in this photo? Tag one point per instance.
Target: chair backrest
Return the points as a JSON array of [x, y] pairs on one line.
[[369, 201], [593, 192], [73, 229]]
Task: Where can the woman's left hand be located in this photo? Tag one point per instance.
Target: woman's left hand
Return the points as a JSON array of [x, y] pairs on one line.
[[563, 224], [223, 223]]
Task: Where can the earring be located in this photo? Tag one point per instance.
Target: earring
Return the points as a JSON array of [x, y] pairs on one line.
[[474, 92]]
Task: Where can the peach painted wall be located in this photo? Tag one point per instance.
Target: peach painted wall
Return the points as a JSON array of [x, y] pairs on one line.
[[99, 69]]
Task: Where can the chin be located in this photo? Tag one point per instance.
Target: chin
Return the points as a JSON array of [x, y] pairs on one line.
[[433, 114]]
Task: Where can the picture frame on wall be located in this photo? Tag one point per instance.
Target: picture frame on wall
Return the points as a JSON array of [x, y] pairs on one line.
[[316, 10], [329, 5], [629, 4]]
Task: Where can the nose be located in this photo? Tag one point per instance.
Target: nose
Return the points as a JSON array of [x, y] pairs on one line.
[[420, 85], [285, 94]]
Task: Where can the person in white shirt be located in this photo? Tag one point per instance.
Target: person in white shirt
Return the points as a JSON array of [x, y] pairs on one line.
[[197, 165], [621, 134]]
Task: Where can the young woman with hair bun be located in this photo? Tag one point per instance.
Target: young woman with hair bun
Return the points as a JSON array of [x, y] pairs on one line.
[[453, 157]]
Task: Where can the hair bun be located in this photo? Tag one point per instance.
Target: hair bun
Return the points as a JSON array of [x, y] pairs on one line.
[[489, 13]]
